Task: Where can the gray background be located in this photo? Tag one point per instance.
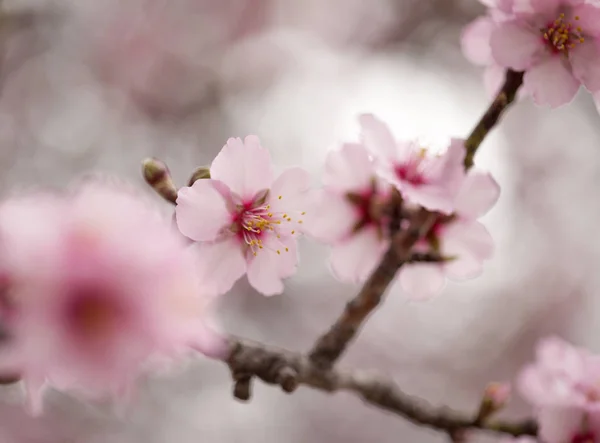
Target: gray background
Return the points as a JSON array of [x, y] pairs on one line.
[[77, 97]]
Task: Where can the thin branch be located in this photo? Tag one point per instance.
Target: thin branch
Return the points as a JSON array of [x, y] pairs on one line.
[[290, 370], [331, 345]]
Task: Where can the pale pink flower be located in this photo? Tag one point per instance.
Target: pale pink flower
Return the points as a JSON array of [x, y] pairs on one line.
[[431, 181], [100, 287], [244, 220], [459, 238], [498, 393], [346, 216], [556, 43], [563, 384]]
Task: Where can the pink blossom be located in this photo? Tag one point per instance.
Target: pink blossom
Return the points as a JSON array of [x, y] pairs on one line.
[[244, 220], [556, 43], [460, 238], [100, 286], [564, 386], [346, 216], [498, 393], [431, 181]]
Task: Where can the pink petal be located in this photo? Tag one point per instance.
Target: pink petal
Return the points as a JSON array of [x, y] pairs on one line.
[[475, 41], [353, 260], [589, 19], [348, 169], [376, 136], [330, 217], [291, 186], [478, 194], [585, 60], [532, 386], [220, 264], [267, 269], [201, 211], [245, 167], [547, 7], [493, 79], [421, 281], [471, 244], [559, 424], [444, 177], [515, 46], [551, 83]]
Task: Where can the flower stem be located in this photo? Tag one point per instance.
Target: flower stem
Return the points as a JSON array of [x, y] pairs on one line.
[[512, 82]]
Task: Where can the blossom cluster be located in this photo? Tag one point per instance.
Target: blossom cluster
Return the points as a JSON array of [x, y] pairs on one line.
[[246, 221], [556, 43]]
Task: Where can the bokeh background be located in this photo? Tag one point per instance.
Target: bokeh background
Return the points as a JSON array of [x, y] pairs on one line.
[[96, 86]]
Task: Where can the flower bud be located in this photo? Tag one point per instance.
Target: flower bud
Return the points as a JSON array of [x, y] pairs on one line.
[[199, 174], [495, 397], [158, 176]]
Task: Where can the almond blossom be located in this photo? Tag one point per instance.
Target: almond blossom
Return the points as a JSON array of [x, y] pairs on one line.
[[431, 181], [100, 287], [347, 213], [563, 385], [556, 43], [244, 220], [462, 242]]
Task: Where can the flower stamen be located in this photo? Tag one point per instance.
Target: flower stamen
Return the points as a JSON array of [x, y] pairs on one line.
[[561, 35]]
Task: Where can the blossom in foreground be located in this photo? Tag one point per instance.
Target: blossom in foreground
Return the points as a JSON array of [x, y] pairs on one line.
[[244, 220], [556, 43], [563, 385], [431, 181], [347, 213], [100, 287], [462, 242]]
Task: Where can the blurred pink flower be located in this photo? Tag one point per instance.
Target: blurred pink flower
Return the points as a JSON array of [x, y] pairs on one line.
[[460, 238], [556, 43], [101, 286], [431, 181], [564, 386], [498, 393], [345, 213], [245, 221]]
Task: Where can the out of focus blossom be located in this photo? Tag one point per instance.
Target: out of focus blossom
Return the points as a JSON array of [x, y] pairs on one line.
[[556, 44], [245, 220], [347, 213], [462, 242], [431, 181], [165, 55], [100, 286], [563, 385]]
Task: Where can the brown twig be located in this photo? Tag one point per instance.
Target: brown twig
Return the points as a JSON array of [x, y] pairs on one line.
[[290, 370], [331, 345]]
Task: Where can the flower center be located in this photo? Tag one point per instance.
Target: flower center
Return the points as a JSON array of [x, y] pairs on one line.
[[585, 437], [412, 170], [561, 35], [255, 222], [91, 315]]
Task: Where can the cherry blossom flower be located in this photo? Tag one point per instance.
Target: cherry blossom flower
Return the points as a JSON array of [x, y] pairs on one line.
[[101, 286], [563, 385], [431, 181], [244, 220], [462, 242], [346, 213], [556, 43]]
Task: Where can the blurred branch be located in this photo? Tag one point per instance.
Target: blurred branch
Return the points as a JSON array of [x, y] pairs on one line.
[[331, 345], [290, 370]]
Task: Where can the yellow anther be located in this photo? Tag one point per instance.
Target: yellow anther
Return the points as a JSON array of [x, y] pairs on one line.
[[293, 232], [279, 252], [303, 213], [287, 250], [279, 197]]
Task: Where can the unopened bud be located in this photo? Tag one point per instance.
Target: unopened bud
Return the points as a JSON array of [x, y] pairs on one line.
[[495, 397], [199, 174], [158, 176]]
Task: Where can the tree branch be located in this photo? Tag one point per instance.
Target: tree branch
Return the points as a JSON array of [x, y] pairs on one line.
[[331, 345], [290, 370]]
